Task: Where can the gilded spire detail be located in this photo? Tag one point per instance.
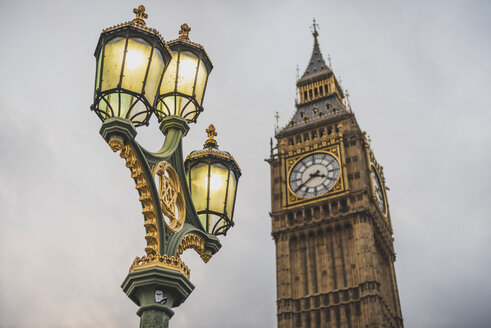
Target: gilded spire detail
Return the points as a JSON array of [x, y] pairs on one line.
[[211, 142], [184, 32], [140, 15]]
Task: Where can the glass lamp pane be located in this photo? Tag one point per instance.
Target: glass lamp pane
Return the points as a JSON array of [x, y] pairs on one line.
[[154, 75], [126, 101], [200, 82], [213, 226], [185, 107], [113, 60], [188, 64], [113, 104], [105, 111], [232, 186], [199, 185], [218, 187], [202, 219], [138, 112], [165, 106], [135, 65], [98, 71], [169, 81], [109, 106]]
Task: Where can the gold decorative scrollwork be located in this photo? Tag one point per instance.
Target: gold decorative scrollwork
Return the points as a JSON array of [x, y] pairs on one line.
[[195, 242], [169, 262], [116, 144], [205, 256], [171, 196], [142, 185]]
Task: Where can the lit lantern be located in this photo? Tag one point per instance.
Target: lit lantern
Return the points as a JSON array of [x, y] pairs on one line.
[[183, 87], [212, 177], [131, 59]]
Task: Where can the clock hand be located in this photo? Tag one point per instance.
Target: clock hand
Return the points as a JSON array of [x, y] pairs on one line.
[[303, 183], [312, 175], [317, 174]]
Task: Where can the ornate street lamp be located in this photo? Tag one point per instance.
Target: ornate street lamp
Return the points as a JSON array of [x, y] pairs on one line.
[[131, 76], [131, 59], [183, 88], [212, 180]]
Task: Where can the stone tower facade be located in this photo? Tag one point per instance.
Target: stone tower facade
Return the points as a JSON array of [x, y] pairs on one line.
[[330, 217]]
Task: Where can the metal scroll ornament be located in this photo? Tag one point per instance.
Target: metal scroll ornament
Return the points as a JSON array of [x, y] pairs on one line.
[[171, 196]]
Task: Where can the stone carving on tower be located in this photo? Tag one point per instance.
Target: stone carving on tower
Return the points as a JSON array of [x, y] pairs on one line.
[[330, 216]]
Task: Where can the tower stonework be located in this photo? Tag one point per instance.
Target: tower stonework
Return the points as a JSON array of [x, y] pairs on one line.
[[330, 218]]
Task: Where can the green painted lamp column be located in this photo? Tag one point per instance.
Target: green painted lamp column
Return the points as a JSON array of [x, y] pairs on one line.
[[132, 65], [156, 291]]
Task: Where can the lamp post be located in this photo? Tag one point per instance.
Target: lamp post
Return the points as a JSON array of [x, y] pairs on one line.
[[184, 205]]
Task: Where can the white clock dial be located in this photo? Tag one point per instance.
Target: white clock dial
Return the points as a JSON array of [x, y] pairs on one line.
[[314, 175], [379, 192]]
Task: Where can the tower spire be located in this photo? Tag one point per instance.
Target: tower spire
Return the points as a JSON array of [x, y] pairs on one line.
[[317, 63], [314, 30], [319, 96]]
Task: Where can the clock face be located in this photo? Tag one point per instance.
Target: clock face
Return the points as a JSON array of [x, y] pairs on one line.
[[379, 193], [314, 175]]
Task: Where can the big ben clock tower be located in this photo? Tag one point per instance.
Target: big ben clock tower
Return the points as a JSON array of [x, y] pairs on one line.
[[330, 216]]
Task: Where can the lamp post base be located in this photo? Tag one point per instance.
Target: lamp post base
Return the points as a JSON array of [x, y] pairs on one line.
[[156, 291]]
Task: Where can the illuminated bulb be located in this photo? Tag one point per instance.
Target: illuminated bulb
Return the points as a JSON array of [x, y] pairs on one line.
[[187, 69], [215, 182], [134, 59]]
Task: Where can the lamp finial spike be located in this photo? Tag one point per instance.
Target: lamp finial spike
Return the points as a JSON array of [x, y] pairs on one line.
[[140, 15], [211, 142], [184, 32]]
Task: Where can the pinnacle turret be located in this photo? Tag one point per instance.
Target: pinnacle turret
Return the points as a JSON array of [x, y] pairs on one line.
[[317, 64], [319, 95]]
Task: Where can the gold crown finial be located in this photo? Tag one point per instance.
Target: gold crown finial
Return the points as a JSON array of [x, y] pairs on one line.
[[314, 32], [140, 15], [184, 32], [211, 142]]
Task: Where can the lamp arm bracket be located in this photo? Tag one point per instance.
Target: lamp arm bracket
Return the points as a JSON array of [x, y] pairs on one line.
[[169, 147], [191, 237], [174, 128], [120, 135]]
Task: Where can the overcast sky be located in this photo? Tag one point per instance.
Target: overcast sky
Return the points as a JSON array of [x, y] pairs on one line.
[[419, 77]]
